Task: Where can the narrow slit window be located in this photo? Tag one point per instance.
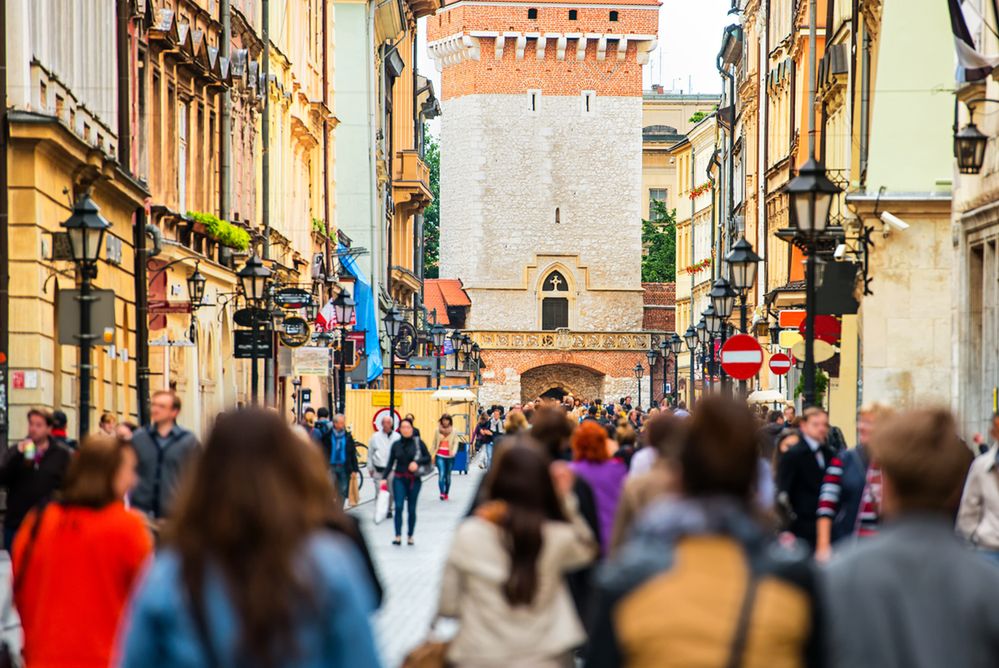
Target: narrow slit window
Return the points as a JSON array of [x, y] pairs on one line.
[[558, 216], [533, 100], [588, 101]]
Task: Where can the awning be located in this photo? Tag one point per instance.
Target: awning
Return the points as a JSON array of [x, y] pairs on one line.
[[454, 396], [766, 397]]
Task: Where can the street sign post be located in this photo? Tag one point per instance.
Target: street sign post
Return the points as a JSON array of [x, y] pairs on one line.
[[780, 364], [741, 357]]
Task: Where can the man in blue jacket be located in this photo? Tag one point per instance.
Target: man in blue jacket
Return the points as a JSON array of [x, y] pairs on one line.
[[339, 447]]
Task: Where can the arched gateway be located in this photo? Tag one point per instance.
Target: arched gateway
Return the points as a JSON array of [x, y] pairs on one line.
[[558, 380]]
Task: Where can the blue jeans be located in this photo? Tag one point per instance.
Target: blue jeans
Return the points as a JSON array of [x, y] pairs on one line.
[[406, 490], [341, 479], [444, 467], [489, 454]]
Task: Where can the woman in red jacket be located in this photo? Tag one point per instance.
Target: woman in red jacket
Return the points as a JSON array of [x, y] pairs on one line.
[[76, 559]]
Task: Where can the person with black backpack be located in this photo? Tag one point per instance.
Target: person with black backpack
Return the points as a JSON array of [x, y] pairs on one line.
[[339, 449]]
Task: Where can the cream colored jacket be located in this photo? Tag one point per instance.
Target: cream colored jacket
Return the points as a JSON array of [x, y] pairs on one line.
[[978, 518], [491, 632]]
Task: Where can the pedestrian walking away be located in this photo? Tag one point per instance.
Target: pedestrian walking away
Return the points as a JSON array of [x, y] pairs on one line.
[[504, 578], [32, 471], [605, 475], [408, 461], [699, 582], [444, 449], [250, 575], [915, 596], [75, 560], [164, 450], [379, 448], [978, 517]]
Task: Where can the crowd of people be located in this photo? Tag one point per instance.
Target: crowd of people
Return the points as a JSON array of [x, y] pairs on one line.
[[600, 535]]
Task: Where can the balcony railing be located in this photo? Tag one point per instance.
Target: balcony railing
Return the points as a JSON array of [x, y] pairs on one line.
[[408, 166], [838, 211], [563, 339]]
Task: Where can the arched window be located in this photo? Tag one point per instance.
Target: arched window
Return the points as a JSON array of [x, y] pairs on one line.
[[554, 302], [532, 13]]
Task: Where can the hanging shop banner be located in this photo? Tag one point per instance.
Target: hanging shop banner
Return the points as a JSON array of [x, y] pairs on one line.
[[292, 298], [310, 361], [295, 332]]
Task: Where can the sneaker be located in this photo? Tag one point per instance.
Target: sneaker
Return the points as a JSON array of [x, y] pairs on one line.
[[443, 497], [446, 497]]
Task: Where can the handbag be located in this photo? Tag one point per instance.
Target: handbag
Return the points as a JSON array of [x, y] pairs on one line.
[[428, 654], [353, 490], [382, 502]]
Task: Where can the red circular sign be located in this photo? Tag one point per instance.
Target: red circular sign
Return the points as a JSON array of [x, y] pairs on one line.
[[741, 357], [827, 328], [376, 421], [780, 363]]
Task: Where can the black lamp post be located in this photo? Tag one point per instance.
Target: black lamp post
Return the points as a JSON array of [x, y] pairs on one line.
[[86, 227], [438, 335], [466, 349], [676, 345], [253, 278], [811, 194], [690, 338], [477, 359], [651, 355], [343, 307], [722, 298], [456, 346], [639, 372], [393, 322], [743, 264], [969, 148]]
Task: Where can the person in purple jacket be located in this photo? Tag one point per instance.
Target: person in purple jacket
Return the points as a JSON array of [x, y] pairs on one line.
[[605, 475]]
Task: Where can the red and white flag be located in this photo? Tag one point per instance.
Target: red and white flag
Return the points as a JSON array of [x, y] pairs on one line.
[[326, 320]]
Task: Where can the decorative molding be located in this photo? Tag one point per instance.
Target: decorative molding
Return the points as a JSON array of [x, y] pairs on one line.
[[563, 339], [460, 46]]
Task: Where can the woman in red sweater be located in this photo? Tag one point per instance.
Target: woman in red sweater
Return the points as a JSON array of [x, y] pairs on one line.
[[75, 560]]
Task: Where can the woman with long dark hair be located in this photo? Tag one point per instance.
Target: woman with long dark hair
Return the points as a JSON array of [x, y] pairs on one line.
[[407, 458], [250, 576], [75, 560], [504, 579]]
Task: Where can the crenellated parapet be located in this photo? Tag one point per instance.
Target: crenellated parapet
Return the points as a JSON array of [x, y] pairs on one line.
[[572, 46]]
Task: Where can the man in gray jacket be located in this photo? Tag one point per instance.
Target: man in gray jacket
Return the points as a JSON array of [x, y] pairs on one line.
[[163, 449], [915, 596]]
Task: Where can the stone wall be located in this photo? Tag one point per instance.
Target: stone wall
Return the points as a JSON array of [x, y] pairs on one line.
[[577, 381], [558, 182]]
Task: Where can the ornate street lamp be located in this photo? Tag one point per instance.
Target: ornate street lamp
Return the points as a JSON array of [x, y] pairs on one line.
[[676, 345], [85, 227], [690, 338], [196, 287], [969, 148], [713, 321], [456, 345], [811, 194], [343, 308], [743, 263], [639, 372], [253, 278], [703, 335], [651, 355], [393, 323], [438, 335], [722, 298]]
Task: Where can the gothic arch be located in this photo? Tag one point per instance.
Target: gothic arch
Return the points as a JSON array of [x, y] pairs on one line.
[[556, 296], [579, 381]]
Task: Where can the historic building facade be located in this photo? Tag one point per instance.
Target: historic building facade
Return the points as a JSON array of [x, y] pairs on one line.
[[541, 191]]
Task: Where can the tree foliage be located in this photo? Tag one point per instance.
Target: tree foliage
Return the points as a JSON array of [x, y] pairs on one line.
[[432, 215], [659, 243]]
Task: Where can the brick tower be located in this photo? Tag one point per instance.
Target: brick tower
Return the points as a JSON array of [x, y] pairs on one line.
[[541, 157]]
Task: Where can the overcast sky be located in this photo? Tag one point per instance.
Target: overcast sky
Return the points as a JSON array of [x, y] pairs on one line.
[[690, 33]]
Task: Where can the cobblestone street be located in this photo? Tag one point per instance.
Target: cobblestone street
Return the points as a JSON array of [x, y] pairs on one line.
[[411, 575]]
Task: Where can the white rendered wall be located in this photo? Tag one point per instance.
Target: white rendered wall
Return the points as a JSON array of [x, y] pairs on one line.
[[504, 171]]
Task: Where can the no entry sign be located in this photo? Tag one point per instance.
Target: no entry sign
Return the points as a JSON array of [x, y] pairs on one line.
[[741, 357], [780, 363]]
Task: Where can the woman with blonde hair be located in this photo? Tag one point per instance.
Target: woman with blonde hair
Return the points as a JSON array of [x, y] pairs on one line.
[[515, 423], [250, 576], [75, 560]]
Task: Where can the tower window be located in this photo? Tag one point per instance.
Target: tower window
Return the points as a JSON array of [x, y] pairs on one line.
[[558, 216], [554, 313], [613, 16], [532, 13], [589, 99], [533, 100], [572, 14]]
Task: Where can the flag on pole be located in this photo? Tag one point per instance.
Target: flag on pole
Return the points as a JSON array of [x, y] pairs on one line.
[[972, 65], [326, 318]]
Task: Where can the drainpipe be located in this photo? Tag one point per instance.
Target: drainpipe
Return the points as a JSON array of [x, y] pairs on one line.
[[373, 217], [139, 232], [265, 212], [4, 248], [225, 125], [124, 90], [326, 185], [763, 155]]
